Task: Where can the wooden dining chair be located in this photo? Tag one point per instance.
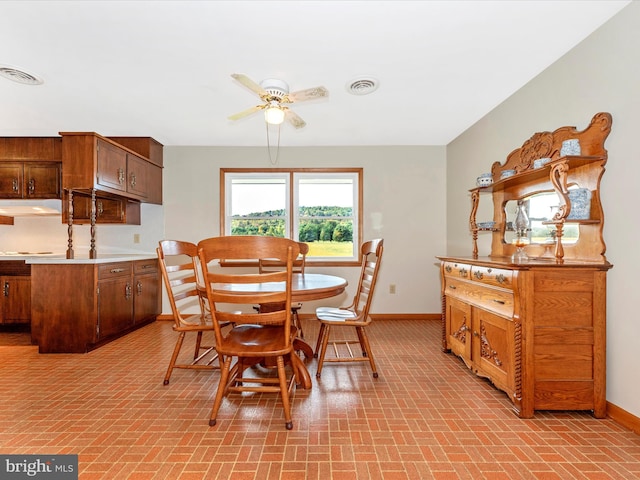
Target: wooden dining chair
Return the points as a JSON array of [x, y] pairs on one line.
[[180, 272], [266, 265], [355, 315], [257, 338]]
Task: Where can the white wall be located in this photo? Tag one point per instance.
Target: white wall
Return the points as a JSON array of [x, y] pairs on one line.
[[43, 234], [404, 185], [600, 74]]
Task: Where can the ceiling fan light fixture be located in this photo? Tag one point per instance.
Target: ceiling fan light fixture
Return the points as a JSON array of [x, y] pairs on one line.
[[274, 115]]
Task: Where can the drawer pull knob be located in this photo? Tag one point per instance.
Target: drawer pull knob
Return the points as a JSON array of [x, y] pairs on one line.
[[475, 334], [501, 302], [478, 275], [463, 272], [501, 278], [452, 287], [117, 270]]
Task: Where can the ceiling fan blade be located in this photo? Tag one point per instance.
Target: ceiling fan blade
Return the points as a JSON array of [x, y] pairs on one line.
[[246, 113], [308, 94], [294, 119], [250, 84]]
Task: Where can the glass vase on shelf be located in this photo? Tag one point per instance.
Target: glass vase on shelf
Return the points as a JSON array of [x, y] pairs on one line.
[[521, 226]]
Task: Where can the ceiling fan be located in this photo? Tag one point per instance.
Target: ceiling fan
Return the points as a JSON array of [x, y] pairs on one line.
[[275, 95]]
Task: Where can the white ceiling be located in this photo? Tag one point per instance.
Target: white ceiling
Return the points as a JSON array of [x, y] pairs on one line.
[[162, 68]]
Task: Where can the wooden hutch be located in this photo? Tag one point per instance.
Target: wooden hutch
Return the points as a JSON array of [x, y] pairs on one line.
[[536, 328]]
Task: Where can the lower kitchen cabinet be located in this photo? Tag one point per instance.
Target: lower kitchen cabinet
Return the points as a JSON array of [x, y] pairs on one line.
[[146, 291], [81, 306], [15, 300]]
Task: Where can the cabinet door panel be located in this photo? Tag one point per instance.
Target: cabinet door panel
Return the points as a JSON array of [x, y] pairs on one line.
[[16, 300], [137, 176], [115, 306], [11, 179], [493, 349], [42, 180], [154, 184], [146, 291], [458, 318], [112, 166]]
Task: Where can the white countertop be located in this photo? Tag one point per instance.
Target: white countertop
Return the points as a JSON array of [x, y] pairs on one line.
[[60, 258]]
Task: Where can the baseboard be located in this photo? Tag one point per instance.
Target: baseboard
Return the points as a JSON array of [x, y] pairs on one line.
[[392, 316], [374, 316], [406, 316], [623, 417]]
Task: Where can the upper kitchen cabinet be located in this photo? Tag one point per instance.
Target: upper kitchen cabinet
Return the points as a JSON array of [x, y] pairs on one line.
[[93, 162], [30, 167]]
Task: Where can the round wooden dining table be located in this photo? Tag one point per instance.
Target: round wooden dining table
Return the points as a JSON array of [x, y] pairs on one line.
[[304, 287]]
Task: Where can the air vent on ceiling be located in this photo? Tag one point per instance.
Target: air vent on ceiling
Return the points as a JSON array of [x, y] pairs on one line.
[[19, 76], [362, 86]]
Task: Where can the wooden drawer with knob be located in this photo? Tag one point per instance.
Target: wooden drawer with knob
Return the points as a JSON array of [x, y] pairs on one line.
[[491, 299], [111, 270], [456, 270], [492, 276]]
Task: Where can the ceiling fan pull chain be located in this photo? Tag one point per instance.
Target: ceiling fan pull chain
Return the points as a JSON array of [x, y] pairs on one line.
[[271, 160]]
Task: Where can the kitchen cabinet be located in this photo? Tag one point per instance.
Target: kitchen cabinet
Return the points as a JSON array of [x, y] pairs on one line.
[[152, 150], [536, 326], [115, 299], [92, 162], [15, 303], [146, 290], [109, 210], [30, 167], [30, 180], [15, 292], [99, 171], [81, 306]]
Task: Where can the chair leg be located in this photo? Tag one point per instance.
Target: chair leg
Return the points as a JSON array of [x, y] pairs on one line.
[[284, 392], [301, 373], [364, 341], [222, 387], [174, 357], [297, 322], [363, 346], [325, 329], [198, 343], [319, 341]]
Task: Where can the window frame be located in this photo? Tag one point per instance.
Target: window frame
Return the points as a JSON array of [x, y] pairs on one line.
[[292, 212]]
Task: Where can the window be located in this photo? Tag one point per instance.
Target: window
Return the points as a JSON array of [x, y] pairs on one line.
[[321, 207]]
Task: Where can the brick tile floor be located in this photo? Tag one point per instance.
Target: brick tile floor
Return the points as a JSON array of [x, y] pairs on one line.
[[425, 417]]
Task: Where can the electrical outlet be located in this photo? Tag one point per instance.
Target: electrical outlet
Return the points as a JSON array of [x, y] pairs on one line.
[[136, 238], [392, 288]]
